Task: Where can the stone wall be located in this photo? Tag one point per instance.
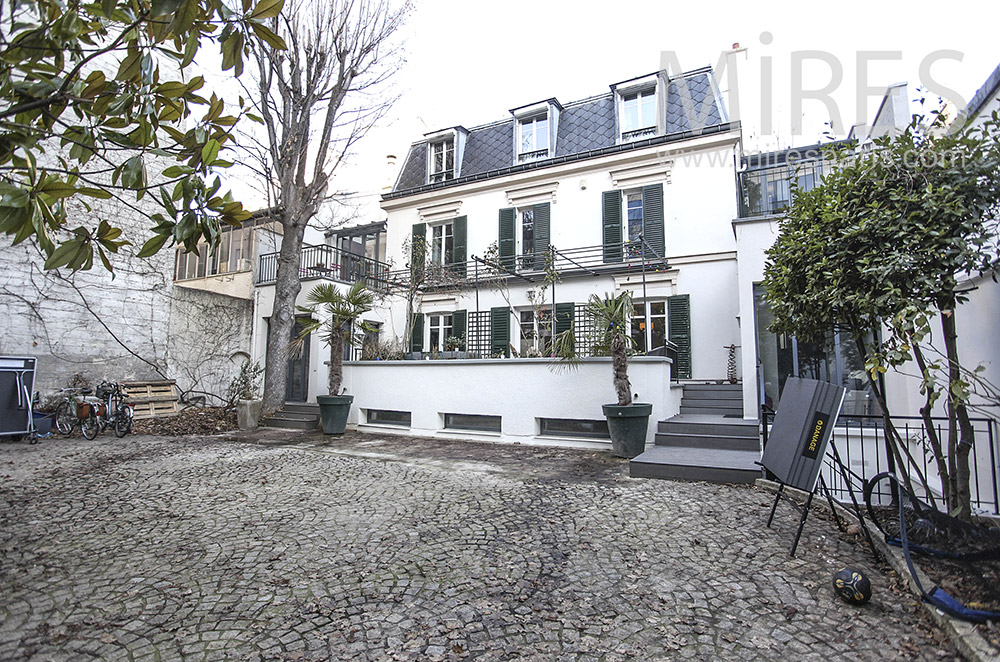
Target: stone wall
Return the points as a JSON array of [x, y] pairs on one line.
[[208, 341]]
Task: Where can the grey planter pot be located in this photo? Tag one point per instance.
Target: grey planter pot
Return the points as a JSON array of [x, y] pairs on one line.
[[333, 411], [627, 426], [248, 414]]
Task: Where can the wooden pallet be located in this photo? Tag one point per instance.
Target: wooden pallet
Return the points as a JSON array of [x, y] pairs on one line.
[[152, 399]]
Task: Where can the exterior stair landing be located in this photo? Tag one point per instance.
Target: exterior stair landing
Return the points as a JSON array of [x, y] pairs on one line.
[[714, 445], [295, 416]]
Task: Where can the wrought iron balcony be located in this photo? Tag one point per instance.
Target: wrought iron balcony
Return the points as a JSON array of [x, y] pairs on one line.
[[626, 257], [330, 263], [768, 191]]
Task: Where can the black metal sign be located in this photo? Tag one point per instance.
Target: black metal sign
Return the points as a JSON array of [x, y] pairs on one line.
[[803, 426]]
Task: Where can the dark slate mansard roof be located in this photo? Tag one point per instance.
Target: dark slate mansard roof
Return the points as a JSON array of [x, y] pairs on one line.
[[584, 126]]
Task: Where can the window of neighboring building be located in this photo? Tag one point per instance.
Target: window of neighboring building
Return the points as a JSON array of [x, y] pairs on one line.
[[533, 138], [232, 255], [442, 244], [441, 327], [639, 114], [633, 223], [649, 326], [536, 333], [442, 161]]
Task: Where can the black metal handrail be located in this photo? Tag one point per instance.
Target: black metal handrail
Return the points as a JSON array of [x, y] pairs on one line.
[[330, 263], [859, 439]]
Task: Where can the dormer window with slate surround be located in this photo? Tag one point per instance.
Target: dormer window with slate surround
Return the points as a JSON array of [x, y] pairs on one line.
[[639, 109], [442, 160], [444, 154], [535, 130]]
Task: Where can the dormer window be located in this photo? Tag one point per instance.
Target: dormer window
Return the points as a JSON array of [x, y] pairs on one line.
[[639, 114], [533, 138], [535, 130], [442, 160]]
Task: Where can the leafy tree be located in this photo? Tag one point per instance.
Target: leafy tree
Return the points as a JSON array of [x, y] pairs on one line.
[[885, 241], [94, 97], [316, 98]]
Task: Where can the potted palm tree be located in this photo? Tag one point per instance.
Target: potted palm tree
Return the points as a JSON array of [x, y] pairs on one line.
[[341, 310], [627, 420]]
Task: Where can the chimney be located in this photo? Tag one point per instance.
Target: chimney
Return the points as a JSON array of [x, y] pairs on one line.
[[390, 163]]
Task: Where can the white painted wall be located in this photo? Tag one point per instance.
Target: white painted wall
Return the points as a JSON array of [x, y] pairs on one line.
[[519, 390]]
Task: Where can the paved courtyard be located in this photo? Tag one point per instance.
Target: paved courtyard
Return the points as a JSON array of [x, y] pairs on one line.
[[385, 548]]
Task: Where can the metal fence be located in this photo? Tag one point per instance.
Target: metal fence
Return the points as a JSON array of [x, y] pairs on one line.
[[860, 441], [330, 263]]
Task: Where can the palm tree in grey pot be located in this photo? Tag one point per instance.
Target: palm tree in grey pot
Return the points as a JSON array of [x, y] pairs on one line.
[[609, 317], [341, 309]]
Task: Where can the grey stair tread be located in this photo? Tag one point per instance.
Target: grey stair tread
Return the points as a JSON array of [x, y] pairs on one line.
[[301, 408], [713, 387], [700, 396], [709, 419], [697, 440], [710, 410], [291, 424], [713, 404], [700, 457], [295, 416]]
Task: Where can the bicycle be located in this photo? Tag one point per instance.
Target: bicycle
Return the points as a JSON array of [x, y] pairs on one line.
[[111, 410], [66, 416]]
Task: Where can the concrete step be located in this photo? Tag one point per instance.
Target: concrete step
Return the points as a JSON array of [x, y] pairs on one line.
[[713, 395], [285, 422], [301, 408], [711, 465], [708, 424], [711, 411], [735, 403], [708, 441]]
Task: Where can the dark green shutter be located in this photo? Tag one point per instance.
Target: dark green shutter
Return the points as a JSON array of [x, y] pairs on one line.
[[652, 220], [506, 238], [459, 232], [500, 331], [541, 246], [679, 332], [458, 323], [612, 217], [564, 316], [418, 250], [417, 333]]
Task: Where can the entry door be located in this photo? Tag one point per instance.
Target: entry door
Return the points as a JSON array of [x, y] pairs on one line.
[[297, 387]]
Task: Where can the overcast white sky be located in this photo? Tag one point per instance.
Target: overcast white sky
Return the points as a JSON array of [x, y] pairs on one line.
[[468, 63]]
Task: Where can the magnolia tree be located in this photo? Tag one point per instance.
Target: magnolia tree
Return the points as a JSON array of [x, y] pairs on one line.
[[96, 104], [315, 99], [880, 249]]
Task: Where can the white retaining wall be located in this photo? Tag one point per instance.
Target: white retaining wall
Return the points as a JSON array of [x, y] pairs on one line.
[[519, 390]]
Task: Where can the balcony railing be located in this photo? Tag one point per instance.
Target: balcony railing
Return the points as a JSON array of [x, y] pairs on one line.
[[330, 263], [626, 257], [768, 191]]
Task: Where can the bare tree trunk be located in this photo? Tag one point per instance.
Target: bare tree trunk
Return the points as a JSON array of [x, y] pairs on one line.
[[282, 320], [960, 441], [336, 361], [619, 365]]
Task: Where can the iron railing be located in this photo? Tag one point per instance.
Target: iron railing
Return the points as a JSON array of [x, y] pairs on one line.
[[860, 441], [768, 191], [626, 257], [330, 263]]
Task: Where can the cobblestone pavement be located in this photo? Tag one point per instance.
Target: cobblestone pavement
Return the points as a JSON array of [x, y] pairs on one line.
[[383, 548]]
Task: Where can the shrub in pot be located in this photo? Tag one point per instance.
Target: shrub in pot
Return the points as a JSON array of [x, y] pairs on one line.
[[627, 420], [341, 309]]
